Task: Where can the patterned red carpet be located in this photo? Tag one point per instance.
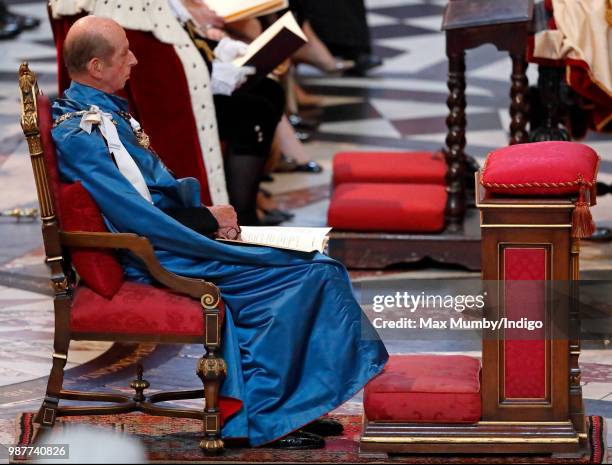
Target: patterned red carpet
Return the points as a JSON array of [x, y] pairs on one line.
[[176, 440]]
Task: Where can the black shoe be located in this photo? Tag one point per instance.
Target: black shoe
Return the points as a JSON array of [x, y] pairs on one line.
[[25, 22], [600, 235], [309, 167], [9, 28], [300, 123], [273, 218], [324, 427], [299, 440], [603, 189], [303, 137], [364, 63]]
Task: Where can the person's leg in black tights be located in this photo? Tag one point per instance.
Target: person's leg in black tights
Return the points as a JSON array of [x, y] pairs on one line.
[[243, 173]]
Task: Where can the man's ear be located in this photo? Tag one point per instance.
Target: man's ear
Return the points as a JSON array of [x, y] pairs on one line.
[[94, 68]]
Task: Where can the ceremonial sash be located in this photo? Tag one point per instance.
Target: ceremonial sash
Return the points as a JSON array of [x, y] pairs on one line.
[[126, 164]]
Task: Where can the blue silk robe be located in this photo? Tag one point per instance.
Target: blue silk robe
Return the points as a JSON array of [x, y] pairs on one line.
[[294, 339]]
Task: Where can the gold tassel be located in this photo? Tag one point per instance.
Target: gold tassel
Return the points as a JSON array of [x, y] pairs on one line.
[[582, 221]]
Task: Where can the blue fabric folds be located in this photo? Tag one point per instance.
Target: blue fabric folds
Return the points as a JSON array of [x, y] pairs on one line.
[[294, 339]]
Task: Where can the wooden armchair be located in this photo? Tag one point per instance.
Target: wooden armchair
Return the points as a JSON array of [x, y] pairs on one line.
[[184, 310]]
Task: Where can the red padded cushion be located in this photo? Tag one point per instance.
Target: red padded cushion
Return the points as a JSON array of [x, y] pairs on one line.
[[97, 267], [392, 167], [77, 211], [141, 309], [540, 168], [388, 207], [137, 309], [426, 389]]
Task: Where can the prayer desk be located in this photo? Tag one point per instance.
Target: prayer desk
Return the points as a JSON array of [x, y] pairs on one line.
[[530, 267], [527, 398]]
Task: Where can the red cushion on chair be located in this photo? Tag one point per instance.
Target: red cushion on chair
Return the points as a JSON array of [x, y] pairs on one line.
[[77, 211], [137, 309], [426, 389], [97, 267], [388, 207], [392, 167], [540, 168]]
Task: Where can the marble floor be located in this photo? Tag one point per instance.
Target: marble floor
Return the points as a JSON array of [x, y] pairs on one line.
[[399, 106]]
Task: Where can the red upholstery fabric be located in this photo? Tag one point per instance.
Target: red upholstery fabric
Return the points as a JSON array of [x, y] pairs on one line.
[[388, 207], [526, 169], [157, 95], [524, 294], [393, 167], [141, 309], [426, 389], [135, 310], [99, 268]]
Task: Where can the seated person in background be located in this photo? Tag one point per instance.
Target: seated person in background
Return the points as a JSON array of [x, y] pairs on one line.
[[212, 27], [295, 341], [247, 118]]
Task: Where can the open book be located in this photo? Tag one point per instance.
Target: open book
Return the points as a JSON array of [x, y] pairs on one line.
[[299, 239], [274, 45], [235, 10]]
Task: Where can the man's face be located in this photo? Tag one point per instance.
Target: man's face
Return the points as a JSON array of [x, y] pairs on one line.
[[115, 70]]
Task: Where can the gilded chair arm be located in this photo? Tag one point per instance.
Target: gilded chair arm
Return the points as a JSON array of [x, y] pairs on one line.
[[140, 246]]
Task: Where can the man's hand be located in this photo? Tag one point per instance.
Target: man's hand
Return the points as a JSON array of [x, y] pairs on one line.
[[228, 221]]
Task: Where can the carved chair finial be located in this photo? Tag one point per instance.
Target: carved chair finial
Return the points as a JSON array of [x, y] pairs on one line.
[[28, 87]]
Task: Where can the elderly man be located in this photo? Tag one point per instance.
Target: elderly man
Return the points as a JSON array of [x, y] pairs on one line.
[[296, 344]]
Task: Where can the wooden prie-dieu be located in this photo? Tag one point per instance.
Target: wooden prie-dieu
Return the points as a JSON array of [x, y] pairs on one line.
[[531, 399]]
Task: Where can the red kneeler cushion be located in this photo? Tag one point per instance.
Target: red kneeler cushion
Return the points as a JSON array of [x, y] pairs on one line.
[[425, 389], [388, 207], [541, 168], [391, 167], [97, 267]]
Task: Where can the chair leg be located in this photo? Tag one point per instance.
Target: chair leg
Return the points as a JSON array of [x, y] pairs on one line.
[[212, 371], [49, 409]]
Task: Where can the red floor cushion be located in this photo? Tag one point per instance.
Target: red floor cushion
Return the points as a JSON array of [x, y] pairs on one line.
[[388, 207], [392, 167], [136, 309], [425, 389]]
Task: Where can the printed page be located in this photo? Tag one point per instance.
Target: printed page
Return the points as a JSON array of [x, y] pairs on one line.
[[233, 10], [300, 239]]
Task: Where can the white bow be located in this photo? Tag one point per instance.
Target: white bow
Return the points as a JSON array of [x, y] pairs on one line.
[[126, 164]]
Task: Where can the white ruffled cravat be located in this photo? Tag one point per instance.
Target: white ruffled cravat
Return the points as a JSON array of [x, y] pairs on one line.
[[126, 164]]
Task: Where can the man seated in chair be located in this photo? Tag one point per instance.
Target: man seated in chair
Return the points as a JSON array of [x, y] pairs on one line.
[[295, 342]]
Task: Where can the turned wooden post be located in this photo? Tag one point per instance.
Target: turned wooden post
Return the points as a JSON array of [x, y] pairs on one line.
[[455, 140], [519, 109]]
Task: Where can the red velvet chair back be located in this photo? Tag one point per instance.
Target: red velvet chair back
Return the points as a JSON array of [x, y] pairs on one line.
[[77, 211], [158, 95]]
